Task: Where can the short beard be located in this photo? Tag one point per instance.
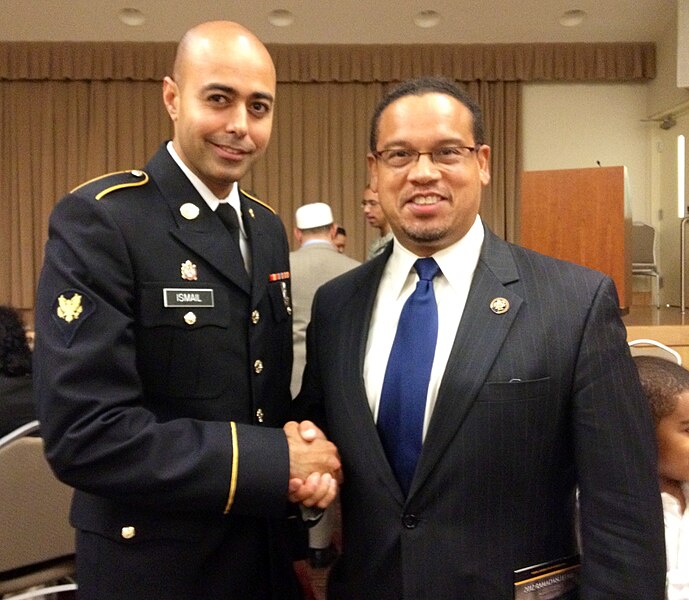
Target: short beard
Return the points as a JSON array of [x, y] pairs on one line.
[[422, 235]]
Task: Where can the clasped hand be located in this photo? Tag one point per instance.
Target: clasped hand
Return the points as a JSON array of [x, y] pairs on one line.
[[315, 468]]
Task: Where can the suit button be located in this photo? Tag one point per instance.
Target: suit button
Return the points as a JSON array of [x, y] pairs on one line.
[[258, 366], [255, 317], [410, 521], [128, 532], [259, 415]]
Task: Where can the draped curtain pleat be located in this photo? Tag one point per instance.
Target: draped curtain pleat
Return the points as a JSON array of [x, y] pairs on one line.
[[73, 111]]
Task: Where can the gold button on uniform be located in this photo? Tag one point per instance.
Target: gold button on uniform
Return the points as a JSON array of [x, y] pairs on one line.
[[259, 415], [128, 532], [255, 317], [190, 318], [258, 366]]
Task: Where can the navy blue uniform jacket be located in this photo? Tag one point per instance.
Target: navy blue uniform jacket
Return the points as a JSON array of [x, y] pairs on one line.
[[162, 376]]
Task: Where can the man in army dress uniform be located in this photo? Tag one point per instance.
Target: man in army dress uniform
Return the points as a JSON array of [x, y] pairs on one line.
[[163, 352]]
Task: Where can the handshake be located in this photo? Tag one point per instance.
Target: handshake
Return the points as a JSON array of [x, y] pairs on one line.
[[315, 467]]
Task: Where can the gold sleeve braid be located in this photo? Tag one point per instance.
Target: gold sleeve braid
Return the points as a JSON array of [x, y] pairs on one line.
[[235, 464]]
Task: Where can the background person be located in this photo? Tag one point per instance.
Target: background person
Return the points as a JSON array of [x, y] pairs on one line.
[[16, 395], [375, 218], [315, 262], [340, 239], [163, 352], [468, 405], [666, 386]]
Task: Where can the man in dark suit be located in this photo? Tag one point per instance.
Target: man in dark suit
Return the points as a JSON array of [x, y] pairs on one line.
[[163, 352], [529, 393]]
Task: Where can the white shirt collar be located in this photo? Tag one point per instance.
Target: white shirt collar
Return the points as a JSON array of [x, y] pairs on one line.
[[210, 198], [457, 262]]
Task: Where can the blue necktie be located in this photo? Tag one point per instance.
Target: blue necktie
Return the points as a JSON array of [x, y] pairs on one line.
[[403, 398]]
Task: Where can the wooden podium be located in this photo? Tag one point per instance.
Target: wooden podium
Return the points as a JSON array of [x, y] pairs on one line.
[[583, 216]]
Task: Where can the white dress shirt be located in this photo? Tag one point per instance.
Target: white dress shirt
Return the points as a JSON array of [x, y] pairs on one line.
[[677, 545], [457, 264], [212, 200]]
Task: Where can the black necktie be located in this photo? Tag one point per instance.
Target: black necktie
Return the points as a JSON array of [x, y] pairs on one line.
[[403, 397], [228, 215]]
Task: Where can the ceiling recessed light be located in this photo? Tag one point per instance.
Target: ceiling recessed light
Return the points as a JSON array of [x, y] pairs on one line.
[[131, 16], [572, 18], [426, 19], [280, 18]]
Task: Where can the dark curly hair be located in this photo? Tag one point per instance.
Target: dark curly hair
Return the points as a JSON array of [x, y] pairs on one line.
[[662, 381], [15, 354]]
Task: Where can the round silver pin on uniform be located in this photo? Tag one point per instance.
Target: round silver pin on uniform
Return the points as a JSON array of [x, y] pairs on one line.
[[189, 211], [499, 305]]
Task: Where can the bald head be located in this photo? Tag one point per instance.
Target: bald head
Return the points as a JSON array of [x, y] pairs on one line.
[[215, 38], [220, 99]]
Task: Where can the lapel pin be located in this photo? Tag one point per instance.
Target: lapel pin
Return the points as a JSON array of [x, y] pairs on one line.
[[251, 213], [188, 271], [499, 305], [189, 211]]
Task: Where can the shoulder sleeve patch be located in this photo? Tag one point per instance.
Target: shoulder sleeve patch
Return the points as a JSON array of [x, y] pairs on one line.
[[270, 208], [103, 185], [70, 309]]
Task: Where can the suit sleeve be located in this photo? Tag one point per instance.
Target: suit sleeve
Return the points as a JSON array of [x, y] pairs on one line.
[[308, 403], [99, 435], [623, 554]]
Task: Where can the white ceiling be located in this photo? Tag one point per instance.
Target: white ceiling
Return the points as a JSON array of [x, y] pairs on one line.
[[342, 21]]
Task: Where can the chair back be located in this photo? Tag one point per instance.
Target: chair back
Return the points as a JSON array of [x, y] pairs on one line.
[[34, 509], [648, 347], [643, 245]]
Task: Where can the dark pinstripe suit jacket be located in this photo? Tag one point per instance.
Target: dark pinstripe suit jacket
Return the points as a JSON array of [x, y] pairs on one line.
[[534, 402]]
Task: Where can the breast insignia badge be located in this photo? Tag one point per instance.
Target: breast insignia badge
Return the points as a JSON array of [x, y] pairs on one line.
[[188, 271]]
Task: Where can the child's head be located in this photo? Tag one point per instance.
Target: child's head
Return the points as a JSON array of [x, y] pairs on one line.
[[666, 386]]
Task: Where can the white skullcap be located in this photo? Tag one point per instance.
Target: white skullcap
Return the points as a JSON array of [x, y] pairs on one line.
[[313, 215]]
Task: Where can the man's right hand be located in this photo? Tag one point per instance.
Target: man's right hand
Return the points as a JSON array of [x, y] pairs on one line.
[[315, 468]]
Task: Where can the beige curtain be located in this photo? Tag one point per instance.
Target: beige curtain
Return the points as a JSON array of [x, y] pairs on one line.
[[70, 112]]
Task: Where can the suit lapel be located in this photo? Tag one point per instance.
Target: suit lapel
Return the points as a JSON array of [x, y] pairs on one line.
[[204, 234], [479, 338], [357, 312]]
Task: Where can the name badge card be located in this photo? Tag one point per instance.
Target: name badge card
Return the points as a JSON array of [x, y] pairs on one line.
[[186, 297]]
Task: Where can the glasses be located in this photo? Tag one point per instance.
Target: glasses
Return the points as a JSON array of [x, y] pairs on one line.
[[369, 203], [446, 156]]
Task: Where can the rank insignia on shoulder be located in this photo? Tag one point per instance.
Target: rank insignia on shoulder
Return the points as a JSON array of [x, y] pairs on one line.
[[70, 309]]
